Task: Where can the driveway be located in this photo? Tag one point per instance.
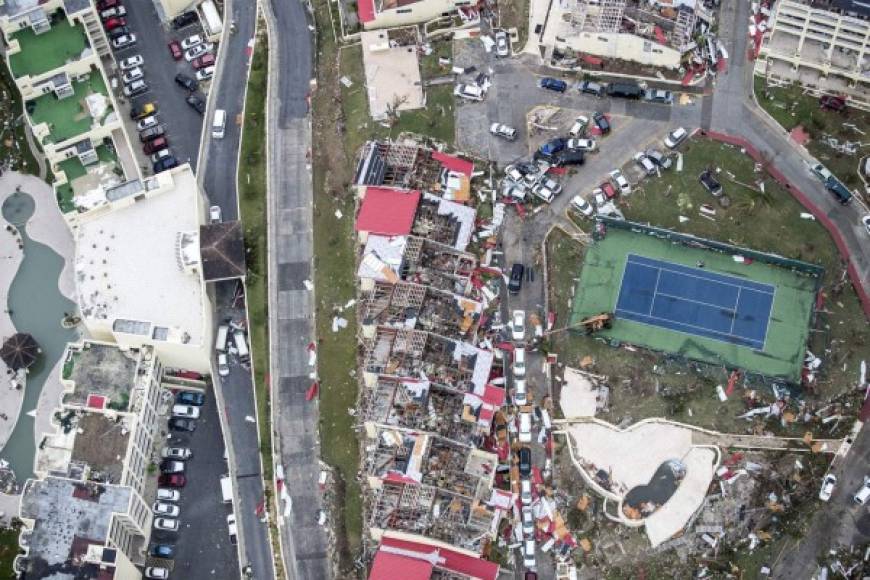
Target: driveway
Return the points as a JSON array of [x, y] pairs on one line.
[[183, 125]]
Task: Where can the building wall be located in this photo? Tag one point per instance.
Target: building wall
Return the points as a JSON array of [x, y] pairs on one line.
[[172, 8], [416, 13], [125, 569], [623, 46], [142, 440]]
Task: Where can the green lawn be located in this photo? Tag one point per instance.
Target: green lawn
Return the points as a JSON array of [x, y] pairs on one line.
[[42, 53], [791, 107], [8, 550], [69, 117]]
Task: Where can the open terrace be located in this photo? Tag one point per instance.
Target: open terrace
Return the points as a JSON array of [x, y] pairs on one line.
[[102, 375], [45, 52], [71, 116]]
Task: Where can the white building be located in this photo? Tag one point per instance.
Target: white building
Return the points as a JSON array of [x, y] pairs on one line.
[[374, 14], [138, 269], [827, 51]]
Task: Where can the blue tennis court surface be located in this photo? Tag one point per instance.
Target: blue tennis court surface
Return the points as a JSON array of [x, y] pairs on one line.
[[695, 301]]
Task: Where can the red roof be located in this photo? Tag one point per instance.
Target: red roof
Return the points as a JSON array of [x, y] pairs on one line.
[[450, 560], [660, 35], [494, 395], [365, 10], [389, 566], [454, 163], [387, 212]]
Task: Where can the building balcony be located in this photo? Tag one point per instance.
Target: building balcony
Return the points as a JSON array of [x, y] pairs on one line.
[[87, 107], [32, 54]]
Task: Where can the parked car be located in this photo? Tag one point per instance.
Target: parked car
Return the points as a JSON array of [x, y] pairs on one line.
[[115, 12], [581, 205], [151, 133], [518, 325], [113, 23], [124, 41], [608, 189], [181, 424], [190, 398], [214, 214], [568, 157], [524, 455], [552, 84], [599, 197], [131, 62], [525, 489], [525, 428], [587, 145], [186, 82], [196, 103], [519, 365], [134, 74], [624, 90], [167, 524], [543, 192], [162, 154], [620, 181], [710, 183], [197, 51], [165, 164], [839, 191], [191, 41], [171, 467], [863, 493], [184, 19], [676, 137], [106, 4], [175, 50], [601, 122], [521, 393], [515, 282], [136, 88], [551, 147], [828, 484], [223, 367], [178, 453], [502, 44], [157, 572], [591, 88], [204, 61], [154, 146], [139, 112], [866, 221], [205, 73], [503, 131], [119, 31], [468, 91], [529, 553], [162, 551], [173, 479], [578, 129], [186, 411], [528, 520], [233, 530], [168, 495], [656, 156], [833, 103], [658, 96], [550, 184], [165, 509], [645, 163]]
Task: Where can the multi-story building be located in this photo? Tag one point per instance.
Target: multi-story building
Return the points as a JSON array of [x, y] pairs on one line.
[[57, 53], [823, 47], [374, 14]]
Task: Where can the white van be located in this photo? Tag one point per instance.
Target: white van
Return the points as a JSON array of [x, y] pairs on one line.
[[241, 346], [219, 124], [227, 489], [220, 343]]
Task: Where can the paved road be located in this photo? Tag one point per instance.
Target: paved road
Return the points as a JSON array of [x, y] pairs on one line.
[[183, 125], [291, 324]]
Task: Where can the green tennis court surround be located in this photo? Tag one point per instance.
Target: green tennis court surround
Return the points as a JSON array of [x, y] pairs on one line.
[[682, 318]]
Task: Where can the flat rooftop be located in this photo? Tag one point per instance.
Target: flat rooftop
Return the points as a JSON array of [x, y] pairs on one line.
[[42, 53], [137, 266], [69, 518], [103, 374], [392, 75], [75, 115], [101, 444]]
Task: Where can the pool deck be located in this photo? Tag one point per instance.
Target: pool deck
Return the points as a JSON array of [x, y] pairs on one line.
[[48, 227]]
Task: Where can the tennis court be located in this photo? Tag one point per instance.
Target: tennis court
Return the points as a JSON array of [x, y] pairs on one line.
[[695, 301]]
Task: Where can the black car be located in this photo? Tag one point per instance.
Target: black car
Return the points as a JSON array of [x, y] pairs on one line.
[[182, 20], [190, 398], [186, 82], [197, 103], [151, 133], [713, 186], [525, 459], [162, 551], [165, 164], [181, 424], [624, 90], [568, 157], [601, 122], [516, 281], [591, 88], [120, 31]]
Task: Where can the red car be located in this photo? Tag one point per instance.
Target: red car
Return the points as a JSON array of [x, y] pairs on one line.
[[833, 103], [113, 23], [155, 145], [171, 480], [203, 61], [106, 4], [175, 50], [608, 189]]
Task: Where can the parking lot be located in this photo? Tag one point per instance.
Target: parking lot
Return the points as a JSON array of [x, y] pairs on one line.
[[202, 544], [183, 125]]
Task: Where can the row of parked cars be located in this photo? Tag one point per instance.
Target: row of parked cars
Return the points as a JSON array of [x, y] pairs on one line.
[[172, 477], [621, 90]]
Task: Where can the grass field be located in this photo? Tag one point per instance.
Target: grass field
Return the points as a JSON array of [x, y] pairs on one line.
[[787, 331], [8, 550]]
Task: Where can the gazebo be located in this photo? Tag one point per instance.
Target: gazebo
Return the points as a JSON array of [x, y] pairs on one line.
[[20, 351]]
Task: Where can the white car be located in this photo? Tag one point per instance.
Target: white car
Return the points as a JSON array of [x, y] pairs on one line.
[[528, 521], [599, 197], [165, 509], [470, 92], [525, 427], [519, 367], [551, 184], [157, 573], [620, 181], [827, 487], [160, 155], [168, 524], [131, 62], [543, 192], [503, 131], [223, 367], [191, 41], [581, 205], [135, 88], [115, 12], [204, 74], [518, 326], [214, 214], [579, 126], [123, 41], [197, 51], [177, 453], [863, 493], [147, 123], [529, 554], [676, 137], [164, 494], [526, 491], [134, 74], [186, 411], [521, 393], [502, 44], [588, 145], [514, 174], [645, 163]]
